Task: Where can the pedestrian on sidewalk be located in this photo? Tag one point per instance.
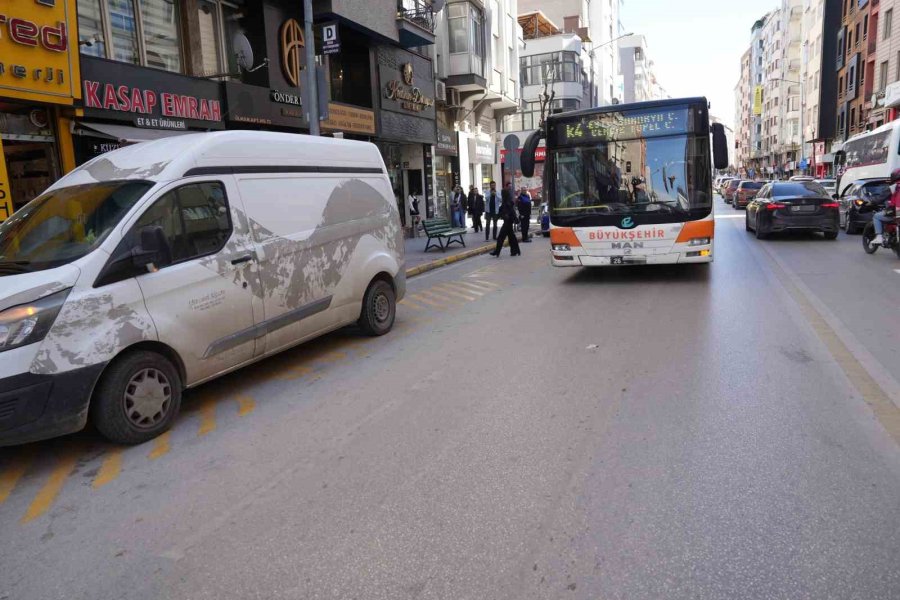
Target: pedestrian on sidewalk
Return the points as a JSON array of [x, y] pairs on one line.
[[509, 216], [463, 208], [476, 208], [456, 207], [525, 214], [491, 211]]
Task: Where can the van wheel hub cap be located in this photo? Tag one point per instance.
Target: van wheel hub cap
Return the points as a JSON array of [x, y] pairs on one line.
[[382, 308], [148, 396]]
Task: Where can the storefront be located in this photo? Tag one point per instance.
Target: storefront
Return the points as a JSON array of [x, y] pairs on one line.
[[406, 126], [39, 81], [126, 104], [510, 159]]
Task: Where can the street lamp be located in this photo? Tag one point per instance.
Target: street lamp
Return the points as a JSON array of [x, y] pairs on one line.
[[802, 102], [591, 54]]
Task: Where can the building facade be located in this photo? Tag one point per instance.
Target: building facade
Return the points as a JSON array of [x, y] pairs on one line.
[[639, 82], [743, 110], [854, 47], [40, 84]]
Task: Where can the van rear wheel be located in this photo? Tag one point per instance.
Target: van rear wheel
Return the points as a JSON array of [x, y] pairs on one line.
[[137, 398], [379, 309]]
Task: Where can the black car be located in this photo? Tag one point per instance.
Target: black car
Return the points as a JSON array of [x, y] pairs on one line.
[[862, 194], [793, 206]]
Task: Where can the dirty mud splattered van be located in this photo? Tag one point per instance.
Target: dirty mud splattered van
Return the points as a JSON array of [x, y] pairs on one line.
[[160, 266]]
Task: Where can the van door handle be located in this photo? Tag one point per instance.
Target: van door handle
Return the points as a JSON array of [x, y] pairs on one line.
[[242, 259]]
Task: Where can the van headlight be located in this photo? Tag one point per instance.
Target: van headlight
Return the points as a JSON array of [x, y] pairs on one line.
[[29, 323]]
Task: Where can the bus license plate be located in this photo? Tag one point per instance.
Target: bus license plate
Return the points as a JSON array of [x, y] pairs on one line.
[[617, 260]]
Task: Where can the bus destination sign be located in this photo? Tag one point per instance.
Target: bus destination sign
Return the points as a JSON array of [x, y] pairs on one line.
[[611, 126]]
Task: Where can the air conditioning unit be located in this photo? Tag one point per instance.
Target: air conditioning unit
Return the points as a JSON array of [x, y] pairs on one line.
[[453, 97], [440, 91]]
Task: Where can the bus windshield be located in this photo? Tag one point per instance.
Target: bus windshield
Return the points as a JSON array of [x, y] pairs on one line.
[[657, 172]]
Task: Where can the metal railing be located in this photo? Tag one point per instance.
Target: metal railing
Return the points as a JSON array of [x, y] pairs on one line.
[[417, 12]]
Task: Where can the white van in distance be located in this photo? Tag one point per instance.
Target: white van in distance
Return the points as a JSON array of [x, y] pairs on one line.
[[159, 266]]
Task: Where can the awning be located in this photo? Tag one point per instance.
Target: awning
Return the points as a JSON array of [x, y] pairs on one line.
[[123, 133], [827, 158]]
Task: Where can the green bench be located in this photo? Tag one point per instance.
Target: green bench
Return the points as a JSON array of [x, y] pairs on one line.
[[444, 233]]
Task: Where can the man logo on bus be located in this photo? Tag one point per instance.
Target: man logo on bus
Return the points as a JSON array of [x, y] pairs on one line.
[[627, 223]]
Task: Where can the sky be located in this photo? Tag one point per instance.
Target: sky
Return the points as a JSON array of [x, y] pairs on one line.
[[696, 45]]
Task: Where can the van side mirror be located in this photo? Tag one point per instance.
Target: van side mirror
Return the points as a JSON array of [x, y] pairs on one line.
[[720, 146], [154, 251], [528, 153]]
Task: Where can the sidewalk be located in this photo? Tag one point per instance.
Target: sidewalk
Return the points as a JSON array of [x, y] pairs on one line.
[[417, 258]]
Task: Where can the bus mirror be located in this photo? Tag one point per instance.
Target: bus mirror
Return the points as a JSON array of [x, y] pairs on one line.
[[528, 152], [720, 146]]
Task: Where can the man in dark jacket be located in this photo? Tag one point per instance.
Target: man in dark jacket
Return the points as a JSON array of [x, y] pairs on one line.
[[509, 216], [476, 207], [524, 202], [492, 210]]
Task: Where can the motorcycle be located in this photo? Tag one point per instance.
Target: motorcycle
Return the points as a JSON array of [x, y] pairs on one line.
[[891, 236]]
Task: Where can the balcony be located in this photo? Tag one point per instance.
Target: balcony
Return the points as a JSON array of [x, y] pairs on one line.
[[415, 23]]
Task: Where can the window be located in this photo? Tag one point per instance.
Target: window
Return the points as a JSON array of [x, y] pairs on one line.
[[554, 66], [194, 218], [882, 75], [218, 23], [857, 35], [866, 29], [459, 33], [888, 23], [109, 29]]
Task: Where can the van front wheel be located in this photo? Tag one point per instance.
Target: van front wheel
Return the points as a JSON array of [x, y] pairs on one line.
[[379, 309], [137, 398]]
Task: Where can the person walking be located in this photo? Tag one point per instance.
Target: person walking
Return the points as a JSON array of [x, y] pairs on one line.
[[508, 214], [456, 206], [525, 214], [476, 208], [491, 211], [463, 208]]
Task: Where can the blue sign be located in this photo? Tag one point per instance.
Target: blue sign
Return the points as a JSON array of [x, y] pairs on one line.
[[628, 223], [803, 164]]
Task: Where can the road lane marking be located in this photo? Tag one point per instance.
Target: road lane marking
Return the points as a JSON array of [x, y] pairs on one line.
[[46, 496], [207, 417], [161, 446], [10, 477], [474, 289], [109, 470], [410, 304], [455, 292], [246, 404], [442, 298], [490, 285], [430, 303]]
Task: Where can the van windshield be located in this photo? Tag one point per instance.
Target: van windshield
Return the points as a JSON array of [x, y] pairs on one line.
[[65, 224]]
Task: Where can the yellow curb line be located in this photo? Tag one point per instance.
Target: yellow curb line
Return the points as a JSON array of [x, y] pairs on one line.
[[449, 260]]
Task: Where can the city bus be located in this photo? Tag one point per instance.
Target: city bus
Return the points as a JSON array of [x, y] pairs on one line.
[[630, 184], [870, 155]]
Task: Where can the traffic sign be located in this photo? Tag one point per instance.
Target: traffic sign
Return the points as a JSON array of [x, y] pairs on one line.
[[331, 40]]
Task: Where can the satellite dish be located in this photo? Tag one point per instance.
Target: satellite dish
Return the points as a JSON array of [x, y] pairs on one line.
[[437, 5], [243, 51]]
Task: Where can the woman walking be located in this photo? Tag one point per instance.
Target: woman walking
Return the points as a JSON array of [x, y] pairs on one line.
[[509, 216]]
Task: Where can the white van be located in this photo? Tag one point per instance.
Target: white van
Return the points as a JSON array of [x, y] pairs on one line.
[[160, 266]]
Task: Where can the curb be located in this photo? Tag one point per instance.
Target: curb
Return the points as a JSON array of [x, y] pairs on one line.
[[449, 260]]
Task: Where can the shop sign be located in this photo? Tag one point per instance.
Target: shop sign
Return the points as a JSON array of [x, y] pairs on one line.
[[892, 95], [481, 151], [407, 91], [37, 59], [6, 204], [446, 143], [255, 105], [540, 154], [351, 119], [149, 98], [285, 98], [292, 44]]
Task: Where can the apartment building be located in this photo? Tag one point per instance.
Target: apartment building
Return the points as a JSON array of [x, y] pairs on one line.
[[887, 61], [597, 23], [855, 81], [743, 112], [639, 82], [821, 22]]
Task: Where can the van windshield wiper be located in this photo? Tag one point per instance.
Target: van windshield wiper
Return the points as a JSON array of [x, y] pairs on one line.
[[15, 266]]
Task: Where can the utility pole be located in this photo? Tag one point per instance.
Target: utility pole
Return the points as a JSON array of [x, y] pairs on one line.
[[312, 94]]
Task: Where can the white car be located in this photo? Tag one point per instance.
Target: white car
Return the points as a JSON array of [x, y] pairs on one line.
[[159, 266]]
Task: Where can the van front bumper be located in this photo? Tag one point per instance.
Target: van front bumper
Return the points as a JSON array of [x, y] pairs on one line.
[[36, 407]]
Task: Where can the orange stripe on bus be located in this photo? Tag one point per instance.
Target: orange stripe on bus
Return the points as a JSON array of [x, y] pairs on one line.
[[696, 229], [564, 235]]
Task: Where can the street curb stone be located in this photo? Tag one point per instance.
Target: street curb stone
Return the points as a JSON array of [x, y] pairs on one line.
[[449, 260]]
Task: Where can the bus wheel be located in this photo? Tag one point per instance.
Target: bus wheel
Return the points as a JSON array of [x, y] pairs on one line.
[[379, 309], [137, 399]]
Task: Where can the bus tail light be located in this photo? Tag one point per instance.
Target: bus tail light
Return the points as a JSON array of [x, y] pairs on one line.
[[564, 236]]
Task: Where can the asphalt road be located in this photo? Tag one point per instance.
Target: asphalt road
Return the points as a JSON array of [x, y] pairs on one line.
[[525, 432]]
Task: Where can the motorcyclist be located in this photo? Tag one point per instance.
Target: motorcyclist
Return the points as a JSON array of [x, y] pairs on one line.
[[890, 210]]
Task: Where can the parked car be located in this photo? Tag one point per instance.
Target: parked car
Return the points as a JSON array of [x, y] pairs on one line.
[[544, 216], [829, 184], [730, 190], [793, 206], [746, 192], [723, 185], [162, 265], [855, 195]]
